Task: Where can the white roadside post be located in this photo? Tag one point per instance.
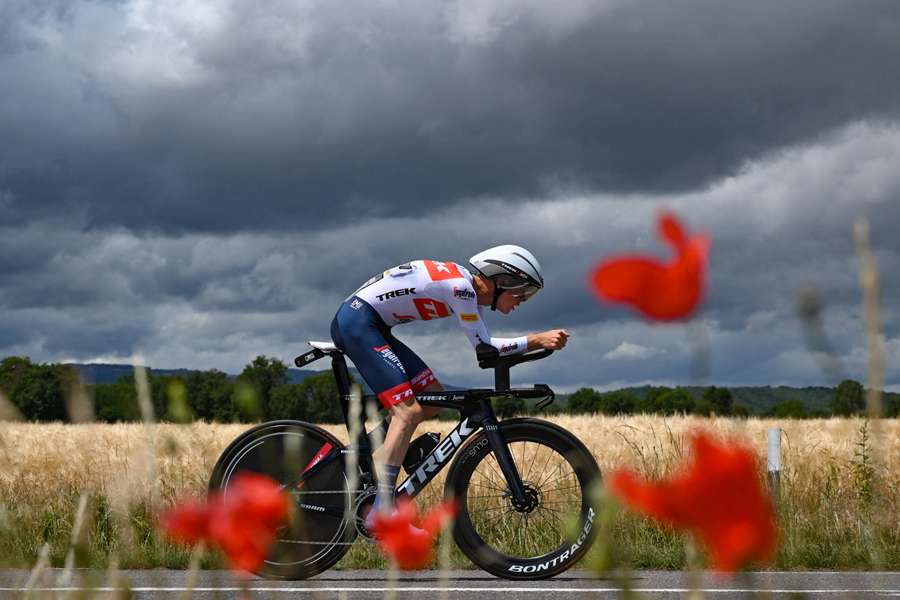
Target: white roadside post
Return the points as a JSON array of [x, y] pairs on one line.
[[773, 462]]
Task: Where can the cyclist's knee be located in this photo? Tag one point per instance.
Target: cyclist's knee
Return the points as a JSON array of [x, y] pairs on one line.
[[409, 413], [434, 386]]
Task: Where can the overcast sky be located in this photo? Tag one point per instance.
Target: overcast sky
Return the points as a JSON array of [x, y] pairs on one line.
[[200, 182]]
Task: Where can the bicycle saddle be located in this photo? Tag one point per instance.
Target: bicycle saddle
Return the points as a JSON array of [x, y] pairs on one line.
[[323, 346]]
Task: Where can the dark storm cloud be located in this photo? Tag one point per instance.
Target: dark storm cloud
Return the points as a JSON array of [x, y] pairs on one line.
[[205, 183], [180, 117]]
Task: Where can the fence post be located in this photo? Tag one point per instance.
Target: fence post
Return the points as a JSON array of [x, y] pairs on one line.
[[773, 462]]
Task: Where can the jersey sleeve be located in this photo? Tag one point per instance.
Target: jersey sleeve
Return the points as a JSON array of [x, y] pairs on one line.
[[460, 296]]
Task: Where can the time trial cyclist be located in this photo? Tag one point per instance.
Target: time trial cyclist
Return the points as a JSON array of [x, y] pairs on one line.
[[501, 277]]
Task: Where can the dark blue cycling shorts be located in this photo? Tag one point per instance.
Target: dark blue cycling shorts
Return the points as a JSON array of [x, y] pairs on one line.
[[393, 371]]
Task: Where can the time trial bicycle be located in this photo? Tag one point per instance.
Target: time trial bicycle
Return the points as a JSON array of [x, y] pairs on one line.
[[522, 486]]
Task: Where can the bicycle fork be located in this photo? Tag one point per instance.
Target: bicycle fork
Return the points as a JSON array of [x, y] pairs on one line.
[[505, 460]]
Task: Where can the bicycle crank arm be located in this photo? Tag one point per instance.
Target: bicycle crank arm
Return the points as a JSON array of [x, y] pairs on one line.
[[318, 509]]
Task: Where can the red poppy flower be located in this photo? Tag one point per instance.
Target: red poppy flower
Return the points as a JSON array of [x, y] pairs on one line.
[[187, 522], [660, 291], [718, 498], [242, 522], [408, 540]]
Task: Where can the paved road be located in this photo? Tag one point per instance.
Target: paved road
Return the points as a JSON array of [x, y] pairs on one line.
[[468, 585]]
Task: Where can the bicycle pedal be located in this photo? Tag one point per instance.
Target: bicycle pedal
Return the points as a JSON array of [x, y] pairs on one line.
[[419, 448]]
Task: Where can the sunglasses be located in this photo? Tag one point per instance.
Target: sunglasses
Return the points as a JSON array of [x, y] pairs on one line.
[[518, 288], [525, 293]]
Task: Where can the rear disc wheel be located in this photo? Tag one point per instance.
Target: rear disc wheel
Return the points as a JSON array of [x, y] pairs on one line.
[[322, 527]]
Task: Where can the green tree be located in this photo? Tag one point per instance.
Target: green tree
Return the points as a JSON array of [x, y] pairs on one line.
[[719, 399], [619, 402], [507, 406], [40, 392], [315, 400], [741, 411], [209, 395], [892, 405], [650, 403], [289, 402], [117, 402], [12, 368], [582, 401], [849, 398], [789, 409], [261, 376], [677, 401], [703, 406], [321, 399], [160, 387]]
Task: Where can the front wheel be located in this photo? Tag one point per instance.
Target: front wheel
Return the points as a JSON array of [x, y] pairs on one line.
[[553, 530]]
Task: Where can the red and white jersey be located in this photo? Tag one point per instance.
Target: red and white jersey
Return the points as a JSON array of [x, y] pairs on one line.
[[430, 289]]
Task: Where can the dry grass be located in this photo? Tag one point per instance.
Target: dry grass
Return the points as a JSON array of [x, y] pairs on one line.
[[834, 484], [40, 461]]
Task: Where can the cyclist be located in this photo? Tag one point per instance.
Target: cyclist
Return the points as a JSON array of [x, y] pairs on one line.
[[501, 277]]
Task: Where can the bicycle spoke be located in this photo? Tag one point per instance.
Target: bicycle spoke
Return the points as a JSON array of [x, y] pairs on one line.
[[532, 462], [490, 487]]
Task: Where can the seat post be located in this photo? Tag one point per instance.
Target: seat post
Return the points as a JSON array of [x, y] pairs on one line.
[[363, 443], [342, 378]]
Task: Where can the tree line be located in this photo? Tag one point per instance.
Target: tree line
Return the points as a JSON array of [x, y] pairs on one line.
[[848, 399], [262, 392]]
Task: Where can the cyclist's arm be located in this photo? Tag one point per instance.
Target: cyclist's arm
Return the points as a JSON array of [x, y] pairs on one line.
[[462, 300], [555, 339]]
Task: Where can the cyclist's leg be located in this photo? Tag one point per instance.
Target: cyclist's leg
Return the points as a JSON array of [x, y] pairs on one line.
[[421, 378], [361, 334], [406, 413]]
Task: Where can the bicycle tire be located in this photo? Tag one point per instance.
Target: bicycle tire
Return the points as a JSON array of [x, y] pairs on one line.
[[281, 450], [485, 513]]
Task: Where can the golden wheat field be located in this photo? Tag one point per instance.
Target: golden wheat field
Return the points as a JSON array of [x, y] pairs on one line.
[[41, 460], [841, 476]]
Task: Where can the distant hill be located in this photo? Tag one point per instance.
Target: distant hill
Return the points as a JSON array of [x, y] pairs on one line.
[[761, 398], [111, 373]]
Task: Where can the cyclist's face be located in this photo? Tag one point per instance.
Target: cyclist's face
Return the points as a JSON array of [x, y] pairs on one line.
[[507, 302]]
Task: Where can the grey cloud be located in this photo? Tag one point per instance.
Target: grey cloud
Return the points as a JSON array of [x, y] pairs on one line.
[[233, 117]]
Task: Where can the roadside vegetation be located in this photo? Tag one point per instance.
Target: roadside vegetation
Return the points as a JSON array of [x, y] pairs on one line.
[[839, 493]]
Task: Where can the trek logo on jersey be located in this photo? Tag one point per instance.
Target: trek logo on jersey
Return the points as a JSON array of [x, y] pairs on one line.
[[463, 293], [509, 347], [389, 357], [396, 293], [439, 271], [468, 317]]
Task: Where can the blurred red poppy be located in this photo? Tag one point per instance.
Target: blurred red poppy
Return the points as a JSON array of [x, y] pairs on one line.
[[407, 539], [241, 521], [187, 522], [659, 291], [718, 497]]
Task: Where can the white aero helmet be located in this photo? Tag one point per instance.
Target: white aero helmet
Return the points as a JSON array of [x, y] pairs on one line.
[[511, 268]]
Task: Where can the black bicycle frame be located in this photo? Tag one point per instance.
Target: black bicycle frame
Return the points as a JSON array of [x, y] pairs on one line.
[[476, 412]]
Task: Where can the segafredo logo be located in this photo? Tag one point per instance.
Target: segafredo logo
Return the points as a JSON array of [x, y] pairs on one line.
[[463, 293], [565, 556], [389, 357], [438, 456]]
